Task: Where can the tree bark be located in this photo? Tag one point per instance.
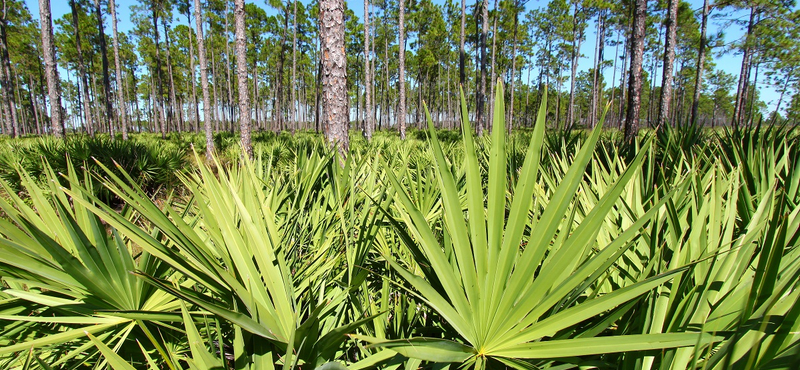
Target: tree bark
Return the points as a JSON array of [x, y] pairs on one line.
[[192, 76], [669, 60], [241, 66], [482, 121], [118, 71], [493, 79], [294, 68], [743, 78], [635, 79], [597, 75], [159, 74], [229, 80], [462, 55], [201, 52], [82, 70], [106, 76], [6, 77], [172, 99], [278, 111], [401, 81], [51, 70], [577, 37], [510, 113], [701, 57], [334, 75], [367, 76]]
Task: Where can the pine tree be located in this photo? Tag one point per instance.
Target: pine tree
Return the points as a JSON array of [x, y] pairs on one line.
[[201, 52], [104, 62], [669, 61], [88, 123], [401, 110], [635, 79], [118, 72], [51, 70], [241, 66], [334, 75]]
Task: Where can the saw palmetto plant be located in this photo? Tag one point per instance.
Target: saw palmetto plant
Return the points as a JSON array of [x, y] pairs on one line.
[[542, 249]]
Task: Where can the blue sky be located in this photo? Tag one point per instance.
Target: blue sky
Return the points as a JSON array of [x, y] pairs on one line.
[[729, 62]]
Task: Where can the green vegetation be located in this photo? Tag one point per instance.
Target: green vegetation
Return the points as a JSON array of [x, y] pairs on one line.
[[543, 249]]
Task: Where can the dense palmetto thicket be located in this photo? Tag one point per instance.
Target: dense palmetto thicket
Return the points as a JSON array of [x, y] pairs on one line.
[[542, 249]]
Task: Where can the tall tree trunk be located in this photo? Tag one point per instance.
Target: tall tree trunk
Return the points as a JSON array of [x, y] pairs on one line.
[[751, 111], [82, 69], [482, 121], [462, 54], [6, 77], [597, 73], [386, 76], [278, 110], [118, 72], [783, 91], [201, 52], [294, 68], [701, 57], [35, 105], [367, 76], [106, 76], [577, 38], [318, 96], [241, 66], [229, 80], [334, 74], [173, 101], [218, 124], [51, 69], [669, 61], [493, 79], [741, 89], [401, 81], [635, 79], [510, 113], [192, 76], [159, 75]]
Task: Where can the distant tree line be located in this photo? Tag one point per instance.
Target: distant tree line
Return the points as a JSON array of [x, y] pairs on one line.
[[181, 67]]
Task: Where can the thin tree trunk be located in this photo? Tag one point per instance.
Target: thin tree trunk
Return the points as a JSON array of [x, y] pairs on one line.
[[510, 118], [594, 109], [106, 76], [159, 75], [51, 70], [751, 110], [218, 118], [401, 81], [367, 76], [172, 98], [228, 109], [334, 74], [701, 57], [743, 78], [669, 61], [635, 80], [294, 68], [123, 118], [241, 66], [462, 55], [482, 121], [577, 38], [81, 70], [493, 80], [201, 52], [6, 75], [278, 111]]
